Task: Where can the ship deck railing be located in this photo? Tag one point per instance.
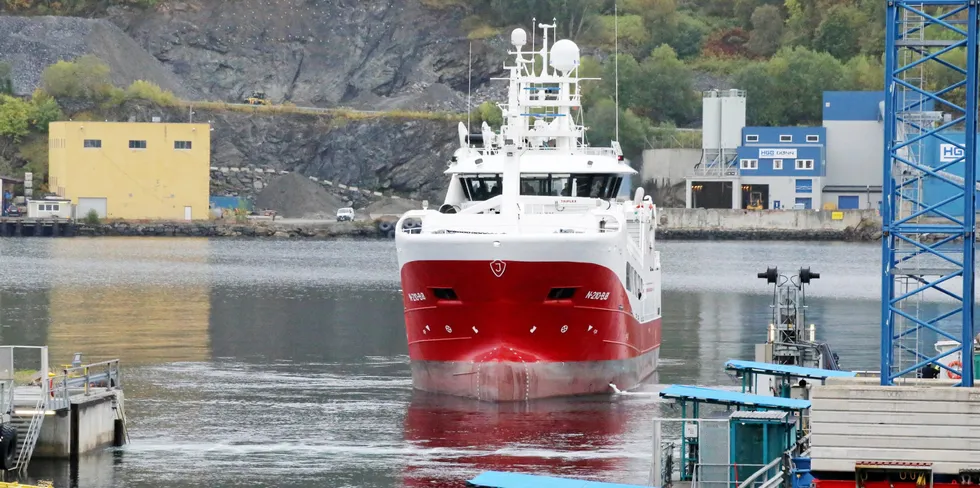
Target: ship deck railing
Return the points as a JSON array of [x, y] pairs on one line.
[[597, 221]]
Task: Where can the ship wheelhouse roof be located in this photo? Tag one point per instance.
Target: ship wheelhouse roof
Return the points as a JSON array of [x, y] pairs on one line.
[[543, 162]]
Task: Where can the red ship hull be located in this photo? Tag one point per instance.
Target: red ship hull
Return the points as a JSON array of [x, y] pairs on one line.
[[498, 331]]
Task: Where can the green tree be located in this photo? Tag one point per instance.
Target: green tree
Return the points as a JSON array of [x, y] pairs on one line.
[[574, 17], [633, 130], [767, 31], [633, 32], [864, 73], [490, 113], [14, 123], [666, 88], [840, 32], [689, 37], [14, 118], [87, 78], [630, 82], [44, 110], [788, 89]]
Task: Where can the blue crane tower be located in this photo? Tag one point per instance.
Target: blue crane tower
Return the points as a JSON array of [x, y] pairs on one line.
[[928, 208]]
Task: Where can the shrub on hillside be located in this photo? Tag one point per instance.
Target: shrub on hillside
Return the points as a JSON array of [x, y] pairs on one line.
[[145, 90], [85, 78]]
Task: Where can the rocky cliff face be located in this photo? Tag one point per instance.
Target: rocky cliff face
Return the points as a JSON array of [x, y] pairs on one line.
[[30, 44], [406, 157], [373, 54]]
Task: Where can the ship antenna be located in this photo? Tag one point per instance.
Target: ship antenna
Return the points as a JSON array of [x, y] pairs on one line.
[[616, 61], [469, 96], [534, 59]]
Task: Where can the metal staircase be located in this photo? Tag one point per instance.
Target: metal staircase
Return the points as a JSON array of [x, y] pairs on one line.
[[28, 430]]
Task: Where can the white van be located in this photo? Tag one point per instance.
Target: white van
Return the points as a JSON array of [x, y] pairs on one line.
[[345, 213]]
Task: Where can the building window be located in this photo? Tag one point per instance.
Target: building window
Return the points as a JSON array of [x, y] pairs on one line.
[[785, 138], [752, 138], [182, 144], [750, 163], [812, 138], [93, 143], [137, 144], [804, 164], [777, 164], [804, 186]]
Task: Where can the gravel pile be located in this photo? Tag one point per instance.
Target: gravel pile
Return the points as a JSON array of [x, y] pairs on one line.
[[295, 196], [30, 44]]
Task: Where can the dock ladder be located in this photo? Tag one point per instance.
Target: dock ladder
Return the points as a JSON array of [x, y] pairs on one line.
[[117, 406], [27, 442]]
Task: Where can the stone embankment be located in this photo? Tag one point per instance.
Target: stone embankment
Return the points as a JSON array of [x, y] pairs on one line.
[[674, 224], [310, 230]]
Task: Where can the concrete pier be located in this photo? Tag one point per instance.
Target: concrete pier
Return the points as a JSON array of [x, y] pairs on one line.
[[87, 425], [61, 416], [31, 227]]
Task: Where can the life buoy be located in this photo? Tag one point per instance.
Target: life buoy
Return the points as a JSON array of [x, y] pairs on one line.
[[954, 364], [51, 387]]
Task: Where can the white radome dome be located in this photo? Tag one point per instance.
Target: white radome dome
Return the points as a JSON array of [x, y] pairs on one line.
[[518, 38], [564, 55]]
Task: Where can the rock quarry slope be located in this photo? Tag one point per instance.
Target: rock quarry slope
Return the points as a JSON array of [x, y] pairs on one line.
[[371, 54], [404, 156], [30, 44]]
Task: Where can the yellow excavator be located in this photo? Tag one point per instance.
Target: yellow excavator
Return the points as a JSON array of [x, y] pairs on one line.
[[755, 201], [258, 98]]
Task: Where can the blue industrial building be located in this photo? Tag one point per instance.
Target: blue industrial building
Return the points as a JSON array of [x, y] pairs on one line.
[[936, 153], [782, 167]]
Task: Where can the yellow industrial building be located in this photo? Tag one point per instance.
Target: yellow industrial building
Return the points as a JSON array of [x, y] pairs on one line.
[[125, 170]]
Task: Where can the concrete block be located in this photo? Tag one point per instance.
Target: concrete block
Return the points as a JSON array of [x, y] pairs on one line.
[[87, 425], [54, 441]]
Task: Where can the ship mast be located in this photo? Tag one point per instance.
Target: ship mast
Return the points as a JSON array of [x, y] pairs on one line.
[[548, 98]]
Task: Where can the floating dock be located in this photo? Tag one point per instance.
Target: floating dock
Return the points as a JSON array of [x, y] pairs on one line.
[[77, 410], [33, 227]]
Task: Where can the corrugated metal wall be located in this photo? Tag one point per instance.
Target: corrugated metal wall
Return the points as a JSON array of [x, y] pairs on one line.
[[853, 423]]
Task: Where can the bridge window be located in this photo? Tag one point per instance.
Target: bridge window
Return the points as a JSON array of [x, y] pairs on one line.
[[479, 188]]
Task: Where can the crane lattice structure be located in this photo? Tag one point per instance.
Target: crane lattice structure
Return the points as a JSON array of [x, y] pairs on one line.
[[926, 248]]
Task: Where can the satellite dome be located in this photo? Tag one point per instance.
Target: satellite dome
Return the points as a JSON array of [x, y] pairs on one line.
[[564, 55], [518, 38]]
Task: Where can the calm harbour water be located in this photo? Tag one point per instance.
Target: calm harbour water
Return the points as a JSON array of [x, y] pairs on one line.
[[262, 363]]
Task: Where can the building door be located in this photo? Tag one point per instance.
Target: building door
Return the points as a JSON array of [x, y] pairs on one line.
[[804, 203], [87, 204], [848, 202], [187, 213]]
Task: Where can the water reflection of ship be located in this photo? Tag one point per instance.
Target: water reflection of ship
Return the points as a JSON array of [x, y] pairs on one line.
[[457, 438]]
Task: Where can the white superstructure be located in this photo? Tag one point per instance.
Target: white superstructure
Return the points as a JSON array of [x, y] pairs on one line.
[[528, 199]]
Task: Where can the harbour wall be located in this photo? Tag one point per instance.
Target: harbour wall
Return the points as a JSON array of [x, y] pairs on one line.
[[699, 223], [674, 224]]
